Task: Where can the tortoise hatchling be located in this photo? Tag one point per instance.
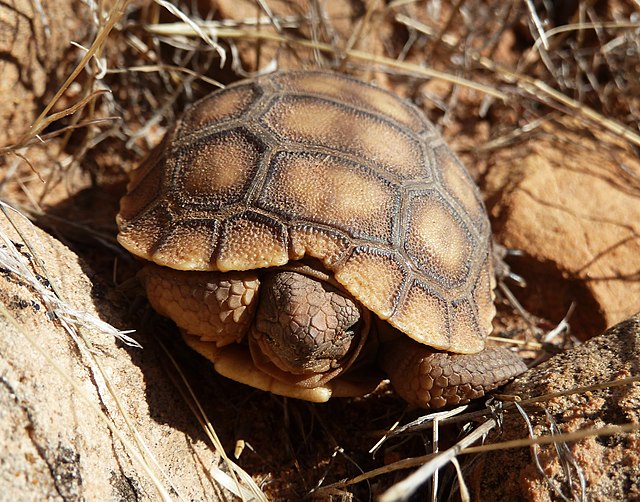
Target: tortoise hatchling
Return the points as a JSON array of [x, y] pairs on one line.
[[310, 233]]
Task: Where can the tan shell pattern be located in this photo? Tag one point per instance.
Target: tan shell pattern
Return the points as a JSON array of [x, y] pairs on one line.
[[314, 163]]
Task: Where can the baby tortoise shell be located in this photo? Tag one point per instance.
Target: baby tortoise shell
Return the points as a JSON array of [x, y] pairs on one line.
[[282, 211]]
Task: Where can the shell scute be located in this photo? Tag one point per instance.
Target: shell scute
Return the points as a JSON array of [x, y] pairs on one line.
[[426, 308], [310, 120], [215, 170], [217, 108], [375, 274], [188, 243], [456, 180], [250, 240], [341, 89], [437, 239], [328, 190], [328, 245]]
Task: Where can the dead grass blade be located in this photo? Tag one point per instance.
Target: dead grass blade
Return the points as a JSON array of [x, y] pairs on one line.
[[116, 12], [535, 450], [169, 29], [405, 488], [429, 464], [13, 261], [231, 483], [534, 88], [609, 430], [196, 29], [47, 120], [582, 390]]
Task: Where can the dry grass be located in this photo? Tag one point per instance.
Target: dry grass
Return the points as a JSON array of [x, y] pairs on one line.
[[513, 61]]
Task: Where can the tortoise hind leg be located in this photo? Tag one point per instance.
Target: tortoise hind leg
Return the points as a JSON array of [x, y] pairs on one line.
[[431, 379]]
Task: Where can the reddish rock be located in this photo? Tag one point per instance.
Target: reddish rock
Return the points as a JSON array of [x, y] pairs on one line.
[[54, 443], [35, 37], [572, 204], [609, 465]]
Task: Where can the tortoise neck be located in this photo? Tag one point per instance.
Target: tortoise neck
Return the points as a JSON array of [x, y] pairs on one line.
[[311, 267]]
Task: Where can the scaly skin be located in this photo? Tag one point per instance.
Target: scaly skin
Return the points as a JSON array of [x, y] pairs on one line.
[[216, 307], [304, 333], [432, 379], [304, 324]]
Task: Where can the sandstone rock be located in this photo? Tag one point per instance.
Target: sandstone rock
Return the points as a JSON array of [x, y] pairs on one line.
[[609, 465], [572, 204], [35, 37], [54, 443]]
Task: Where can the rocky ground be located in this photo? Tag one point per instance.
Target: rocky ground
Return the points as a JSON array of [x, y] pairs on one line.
[[546, 121]]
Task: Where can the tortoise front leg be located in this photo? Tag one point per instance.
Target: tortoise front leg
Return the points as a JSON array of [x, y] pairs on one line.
[[431, 379], [215, 307]]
